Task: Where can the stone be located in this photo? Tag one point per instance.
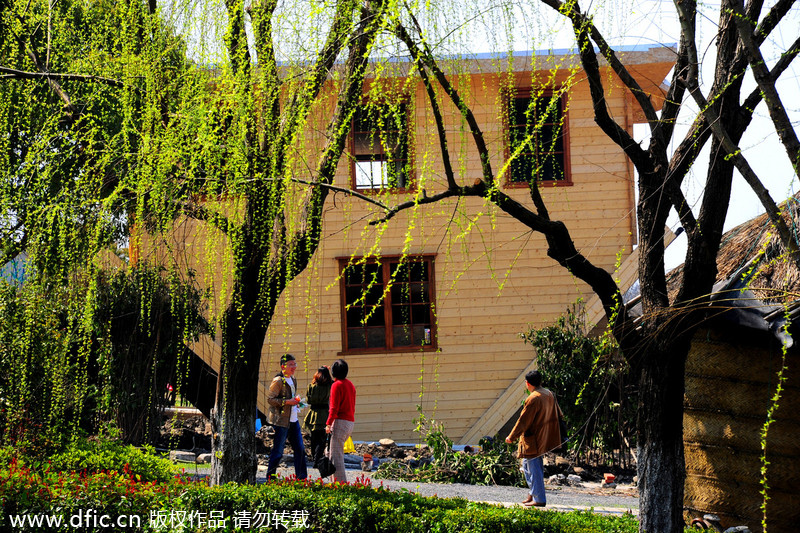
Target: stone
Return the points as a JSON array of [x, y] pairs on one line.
[[560, 461], [605, 485], [574, 480], [203, 458], [386, 442], [737, 529], [180, 456], [578, 471]]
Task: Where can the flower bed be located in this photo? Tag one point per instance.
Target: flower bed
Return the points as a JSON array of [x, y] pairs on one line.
[[34, 496]]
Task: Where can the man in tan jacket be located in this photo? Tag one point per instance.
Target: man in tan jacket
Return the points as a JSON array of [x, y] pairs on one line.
[[283, 415], [538, 426]]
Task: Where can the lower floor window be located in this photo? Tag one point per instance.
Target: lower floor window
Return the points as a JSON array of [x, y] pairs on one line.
[[387, 303]]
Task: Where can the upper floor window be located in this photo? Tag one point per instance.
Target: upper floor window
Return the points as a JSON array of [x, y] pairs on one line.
[[380, 147], [387, 304], [537, 125]]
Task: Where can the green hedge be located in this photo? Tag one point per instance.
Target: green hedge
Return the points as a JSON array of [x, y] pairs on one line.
[[304, 506]]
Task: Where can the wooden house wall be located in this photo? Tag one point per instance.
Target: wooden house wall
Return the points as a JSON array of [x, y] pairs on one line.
[[730, 382], [493, 277], [491, 283]]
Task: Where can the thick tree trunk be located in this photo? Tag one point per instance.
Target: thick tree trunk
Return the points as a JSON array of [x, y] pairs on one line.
[[233, 423], [660, 432], [233, 418]]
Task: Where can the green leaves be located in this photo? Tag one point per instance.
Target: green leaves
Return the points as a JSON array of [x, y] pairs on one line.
[[494, 464]]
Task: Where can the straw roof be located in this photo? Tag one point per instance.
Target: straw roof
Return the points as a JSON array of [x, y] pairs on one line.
[[753, 252]]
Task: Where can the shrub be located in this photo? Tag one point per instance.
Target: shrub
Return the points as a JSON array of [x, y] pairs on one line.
[[589, 378], [40, 488], [94, 455], [495, 464], [299, 505], [91, 456]]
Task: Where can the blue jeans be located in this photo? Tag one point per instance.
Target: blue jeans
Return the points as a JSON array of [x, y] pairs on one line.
[[279, 441], [534, 475]]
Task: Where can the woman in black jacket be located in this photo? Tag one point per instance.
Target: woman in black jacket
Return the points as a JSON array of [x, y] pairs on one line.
[[319, 392]]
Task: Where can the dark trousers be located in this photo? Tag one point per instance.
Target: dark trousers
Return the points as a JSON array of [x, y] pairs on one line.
[[318, 440], [279, 441]]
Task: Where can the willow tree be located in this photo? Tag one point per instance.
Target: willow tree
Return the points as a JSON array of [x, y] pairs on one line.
[[279, 230], [657, 345], [72, 91], [110, 118]]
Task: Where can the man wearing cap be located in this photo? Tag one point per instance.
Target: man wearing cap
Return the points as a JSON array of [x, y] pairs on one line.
[[283, 415]]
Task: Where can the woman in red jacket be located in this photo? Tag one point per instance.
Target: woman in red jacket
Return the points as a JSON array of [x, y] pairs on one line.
[[341, 416]]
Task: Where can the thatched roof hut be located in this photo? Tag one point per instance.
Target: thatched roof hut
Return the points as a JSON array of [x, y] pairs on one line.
[[738, 359]]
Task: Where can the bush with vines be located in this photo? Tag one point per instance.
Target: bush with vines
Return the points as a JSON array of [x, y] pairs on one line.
[[590, 380]]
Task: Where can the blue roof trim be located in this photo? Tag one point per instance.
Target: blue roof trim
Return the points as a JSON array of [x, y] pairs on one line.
[[569, 51], [504, 55]]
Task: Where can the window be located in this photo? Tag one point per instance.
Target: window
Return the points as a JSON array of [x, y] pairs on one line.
[[387, 304], [537, 123], [380, 147]]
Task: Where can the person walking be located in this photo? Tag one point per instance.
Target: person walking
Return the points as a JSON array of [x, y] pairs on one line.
[[538, 431], [283, 415], [341, 416], [318, 397]]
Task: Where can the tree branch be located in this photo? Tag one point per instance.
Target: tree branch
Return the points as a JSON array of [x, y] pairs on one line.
[[777, 112], [580, 20], [584, 31], [307, 238], [712, 118], [261, 14], [346, 190], [780, 67], [25, 75], [437, 117], [698, 135], [428, 59]]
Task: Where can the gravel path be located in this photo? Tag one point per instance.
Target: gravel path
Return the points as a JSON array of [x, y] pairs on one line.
[[608, 501]]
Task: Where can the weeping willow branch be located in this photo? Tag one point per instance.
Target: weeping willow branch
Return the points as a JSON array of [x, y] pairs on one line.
[[10, 73], [199, 212]]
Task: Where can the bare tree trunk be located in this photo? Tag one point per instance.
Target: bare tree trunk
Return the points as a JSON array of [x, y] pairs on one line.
[[660, 433]]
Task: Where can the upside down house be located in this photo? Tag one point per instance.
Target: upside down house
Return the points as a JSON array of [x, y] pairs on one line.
[[428, 308]]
